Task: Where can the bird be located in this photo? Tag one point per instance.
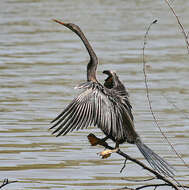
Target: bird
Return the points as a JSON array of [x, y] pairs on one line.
[[105, 106]]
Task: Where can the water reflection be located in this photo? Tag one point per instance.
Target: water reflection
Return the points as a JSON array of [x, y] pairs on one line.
[[40, 64]]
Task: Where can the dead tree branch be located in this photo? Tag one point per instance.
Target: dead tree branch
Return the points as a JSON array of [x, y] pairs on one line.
[[124, 165], [157, 185], [142, 180], [180, 25], [147, 88], [158, 176], [148, 94], [6, 182], [146, 186]]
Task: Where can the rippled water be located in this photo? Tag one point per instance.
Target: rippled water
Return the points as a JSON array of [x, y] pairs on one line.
[[41, 62]]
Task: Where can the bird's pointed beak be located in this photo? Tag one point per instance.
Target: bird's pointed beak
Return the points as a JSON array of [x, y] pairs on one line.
[[106, 72], [59, 22]]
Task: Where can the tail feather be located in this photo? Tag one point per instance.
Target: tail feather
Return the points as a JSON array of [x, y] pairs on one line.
[[155, 161]]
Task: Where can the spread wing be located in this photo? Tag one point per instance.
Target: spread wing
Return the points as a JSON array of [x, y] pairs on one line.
[[102, 107], [77, 115]]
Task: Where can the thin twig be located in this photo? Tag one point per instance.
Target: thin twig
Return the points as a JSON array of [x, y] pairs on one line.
[[148, 94], [156, 185], [124, 188], [6, 182], [142, 180], [180, 25], [158, 176], [124, 165]]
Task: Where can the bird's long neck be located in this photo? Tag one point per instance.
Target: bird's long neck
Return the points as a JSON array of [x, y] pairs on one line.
[[92, 65]]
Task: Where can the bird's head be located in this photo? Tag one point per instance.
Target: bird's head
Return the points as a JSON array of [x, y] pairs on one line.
[[71, 26], [109, 81], [109, 72]]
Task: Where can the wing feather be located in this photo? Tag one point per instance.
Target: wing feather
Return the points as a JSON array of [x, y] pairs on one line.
[[70, 125], [65, 119], [78, 114], [102, 107]]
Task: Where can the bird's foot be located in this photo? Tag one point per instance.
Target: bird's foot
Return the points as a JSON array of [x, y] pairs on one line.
[[107, 153], [95, 140]]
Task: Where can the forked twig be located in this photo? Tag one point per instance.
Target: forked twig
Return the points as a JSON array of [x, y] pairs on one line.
[[6, 182]]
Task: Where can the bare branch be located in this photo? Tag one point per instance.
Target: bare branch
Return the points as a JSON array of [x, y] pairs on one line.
[[6, 182], [124, 165], [151, 185], [158, 176], [180, 25], [142, 180], [156, 185], [148, 94]]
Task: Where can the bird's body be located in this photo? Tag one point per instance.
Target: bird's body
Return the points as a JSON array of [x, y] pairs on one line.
[[105, 106]]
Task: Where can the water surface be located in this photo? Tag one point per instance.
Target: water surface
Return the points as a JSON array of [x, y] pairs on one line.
[[41, 62]]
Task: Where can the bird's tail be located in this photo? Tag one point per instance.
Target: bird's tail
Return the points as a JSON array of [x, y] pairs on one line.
[[155, 161]]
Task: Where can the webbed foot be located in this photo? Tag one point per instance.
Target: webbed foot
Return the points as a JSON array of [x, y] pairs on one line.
[[107, 153]]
